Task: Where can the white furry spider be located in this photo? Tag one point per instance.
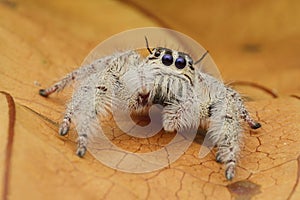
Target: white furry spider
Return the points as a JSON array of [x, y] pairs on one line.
[[167, 77]]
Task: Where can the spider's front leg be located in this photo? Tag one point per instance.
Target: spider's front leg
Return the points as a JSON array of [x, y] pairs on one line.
[[225, 131]]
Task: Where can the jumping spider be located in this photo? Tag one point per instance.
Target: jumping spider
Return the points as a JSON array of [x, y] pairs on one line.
[[166, 77]]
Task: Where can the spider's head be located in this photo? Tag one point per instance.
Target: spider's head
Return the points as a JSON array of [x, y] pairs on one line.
[[172, 63], [168, 57], [171, 58]]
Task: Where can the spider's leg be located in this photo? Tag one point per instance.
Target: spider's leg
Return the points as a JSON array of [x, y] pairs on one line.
[[83, 113], [65, 124], [89, 100], [84, 116], [77, 74], [244, 114], [225, 131]]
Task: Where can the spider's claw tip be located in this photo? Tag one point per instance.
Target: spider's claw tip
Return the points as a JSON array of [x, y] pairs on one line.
[[63, 130], [81, 152], [218, 158], [43, 93], [229, 173], [256, 125]]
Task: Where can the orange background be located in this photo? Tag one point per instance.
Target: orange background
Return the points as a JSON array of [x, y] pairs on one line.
[[255, 44]]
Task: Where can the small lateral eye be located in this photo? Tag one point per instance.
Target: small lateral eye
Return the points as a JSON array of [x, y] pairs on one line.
[[180, 62], [157, 53], [167, 59]]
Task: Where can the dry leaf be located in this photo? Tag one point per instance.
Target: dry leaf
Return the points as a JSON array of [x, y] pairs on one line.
[[255, 44]]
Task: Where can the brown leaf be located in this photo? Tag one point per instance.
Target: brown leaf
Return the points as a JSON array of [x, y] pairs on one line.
[[253, 42]]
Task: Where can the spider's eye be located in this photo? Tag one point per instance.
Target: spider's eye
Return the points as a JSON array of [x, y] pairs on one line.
[[157, 53], [180, 62], [167, 59]]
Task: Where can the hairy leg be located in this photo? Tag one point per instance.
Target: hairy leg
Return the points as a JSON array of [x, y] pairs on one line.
[[84, 114], [225, 132], [82, 111], [244, 114], [65, 124], [77, 74], [80, 73]]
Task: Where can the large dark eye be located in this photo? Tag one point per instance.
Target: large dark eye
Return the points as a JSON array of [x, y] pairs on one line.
[[180, 62], [167, 59]]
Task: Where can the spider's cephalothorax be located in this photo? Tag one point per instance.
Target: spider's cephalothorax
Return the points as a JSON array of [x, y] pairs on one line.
[[174, 75], [166, 77]]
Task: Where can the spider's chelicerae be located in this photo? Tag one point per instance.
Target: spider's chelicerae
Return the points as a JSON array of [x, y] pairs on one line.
[[167, 77]]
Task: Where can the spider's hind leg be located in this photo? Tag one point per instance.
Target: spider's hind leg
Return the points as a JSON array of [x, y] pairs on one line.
[[244, 114], [79, 73]]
